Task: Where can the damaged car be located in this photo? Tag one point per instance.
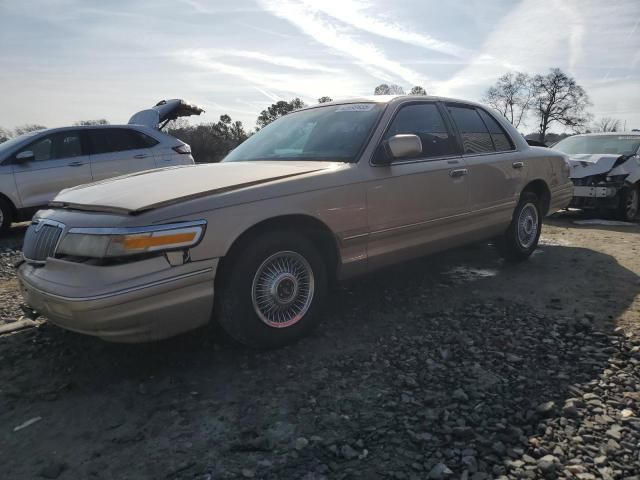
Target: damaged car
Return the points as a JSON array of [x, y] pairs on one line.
[[322, 194], [605, 170], [35, 166]]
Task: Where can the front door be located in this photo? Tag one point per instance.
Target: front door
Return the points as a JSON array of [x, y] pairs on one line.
[[59, 162], [417, 201]]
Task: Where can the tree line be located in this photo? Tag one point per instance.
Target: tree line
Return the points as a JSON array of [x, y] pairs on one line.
[[548, 99]]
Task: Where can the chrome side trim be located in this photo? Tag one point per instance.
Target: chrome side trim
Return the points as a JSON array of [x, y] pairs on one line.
[[502, 206], [135, 230], [123, 291]]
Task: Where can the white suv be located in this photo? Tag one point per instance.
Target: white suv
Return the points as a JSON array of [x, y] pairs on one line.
[[35, 166]]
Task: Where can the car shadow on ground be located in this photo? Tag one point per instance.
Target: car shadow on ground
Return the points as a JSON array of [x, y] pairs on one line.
[[458, 359]]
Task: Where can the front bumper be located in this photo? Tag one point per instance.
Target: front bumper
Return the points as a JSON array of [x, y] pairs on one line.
[[595, 192], [602, 195], [133, 302]]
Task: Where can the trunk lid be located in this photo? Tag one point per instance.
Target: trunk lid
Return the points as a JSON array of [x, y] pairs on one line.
[[155, 188], [163, 112]]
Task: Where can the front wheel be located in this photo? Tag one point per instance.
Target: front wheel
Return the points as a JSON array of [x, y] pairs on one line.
[[272, 290], [520, 239], [629, 203], [5, 215]]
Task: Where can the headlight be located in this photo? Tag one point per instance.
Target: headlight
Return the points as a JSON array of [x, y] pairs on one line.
[[119, 242]]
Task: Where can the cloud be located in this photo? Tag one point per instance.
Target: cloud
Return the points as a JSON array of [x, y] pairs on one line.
[[278, 60], [353, 13], [330, 34]]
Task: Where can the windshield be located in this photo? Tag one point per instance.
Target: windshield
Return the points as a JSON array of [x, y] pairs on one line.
[[605, 144], [335, 132]]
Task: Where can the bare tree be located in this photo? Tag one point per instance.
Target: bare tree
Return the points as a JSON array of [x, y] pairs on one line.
[[4, 135], [325, 99], [512, 96], [607, 124], [100, 121], [30, 127], [390, 89], [417, 90], [559, 99]]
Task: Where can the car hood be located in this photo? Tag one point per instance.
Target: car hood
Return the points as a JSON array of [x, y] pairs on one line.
[[164, 111], [155, 188], [586, 165]]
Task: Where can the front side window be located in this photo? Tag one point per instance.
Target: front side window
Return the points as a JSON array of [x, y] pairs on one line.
[[475, 135], [599, 144], [425, 121], [331, 133], [56, 146]]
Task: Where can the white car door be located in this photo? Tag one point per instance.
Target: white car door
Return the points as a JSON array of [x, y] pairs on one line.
[[58, 162], [118, 151]]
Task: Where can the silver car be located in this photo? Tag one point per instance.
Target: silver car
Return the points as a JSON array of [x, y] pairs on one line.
[[605, 170], [324, 193], [35, 166]]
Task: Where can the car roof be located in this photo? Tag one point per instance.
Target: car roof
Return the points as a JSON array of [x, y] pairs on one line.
[[611, 134], [394, 99]]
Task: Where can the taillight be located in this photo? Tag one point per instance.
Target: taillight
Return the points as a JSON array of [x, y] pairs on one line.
[[182, 149]]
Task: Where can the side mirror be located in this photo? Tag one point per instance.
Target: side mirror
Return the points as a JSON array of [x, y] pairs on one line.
[[25, 156], [405, 145]]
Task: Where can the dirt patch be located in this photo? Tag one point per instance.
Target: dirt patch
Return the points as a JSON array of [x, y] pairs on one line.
[[449, 367]]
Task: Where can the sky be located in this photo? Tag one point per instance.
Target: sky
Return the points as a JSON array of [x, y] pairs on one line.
[[68, 60]]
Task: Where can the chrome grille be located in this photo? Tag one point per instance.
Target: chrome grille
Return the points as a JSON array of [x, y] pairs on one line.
[[41, 240]]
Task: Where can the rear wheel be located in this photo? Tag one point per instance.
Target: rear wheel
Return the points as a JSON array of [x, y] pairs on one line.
[[6, 215], [629, 204], [520, 239], [272, 290]]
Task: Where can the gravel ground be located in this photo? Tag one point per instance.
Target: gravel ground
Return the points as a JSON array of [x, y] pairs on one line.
[[10, 253], [451, 367]]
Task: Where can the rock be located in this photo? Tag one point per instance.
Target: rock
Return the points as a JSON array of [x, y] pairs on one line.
[[348, 452], [548, 464], [499, 448], [626, 413], [460, 395], [615, 432], [546, 408], [440, 471], [470, 463], [301, 443], [248, 473], [53, 470]]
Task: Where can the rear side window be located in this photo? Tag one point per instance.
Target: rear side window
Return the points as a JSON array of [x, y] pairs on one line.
[[425, 121], [501, 140], [475, 135], [106, 140], [56, 146]]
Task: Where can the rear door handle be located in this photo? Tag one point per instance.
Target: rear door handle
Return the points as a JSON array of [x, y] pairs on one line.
[[517, 165], [458, 172], [141, 155], [75, 164]]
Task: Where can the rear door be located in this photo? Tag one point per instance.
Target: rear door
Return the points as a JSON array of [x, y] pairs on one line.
[[118, 151], [495, 173], [59, 162]]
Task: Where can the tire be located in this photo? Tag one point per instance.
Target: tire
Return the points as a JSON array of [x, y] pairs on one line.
[[282, 270], [521, 238], [629, 203], [6, 215]]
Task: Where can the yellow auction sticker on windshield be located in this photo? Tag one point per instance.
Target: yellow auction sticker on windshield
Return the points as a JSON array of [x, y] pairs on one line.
[[355, 107]]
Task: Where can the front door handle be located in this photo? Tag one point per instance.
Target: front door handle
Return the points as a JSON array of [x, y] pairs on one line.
[[141, 155], [75, 164], [458, 172], [517, 165]]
